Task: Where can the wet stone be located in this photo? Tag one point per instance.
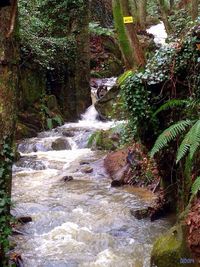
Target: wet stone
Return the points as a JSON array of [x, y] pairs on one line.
[[84, 162], [87, 169], [25, 219], [61, 144], [67, 178], [68, 133], [140, 214]]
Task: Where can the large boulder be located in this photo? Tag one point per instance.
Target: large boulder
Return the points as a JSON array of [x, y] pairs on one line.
[[104, 140], [61, 144], [105, 105], [171, 249]]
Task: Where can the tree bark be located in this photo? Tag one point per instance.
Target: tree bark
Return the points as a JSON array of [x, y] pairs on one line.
[[131, 32], [8, 83], [164, 13], [195, 4], [126, 49], [142, 13]]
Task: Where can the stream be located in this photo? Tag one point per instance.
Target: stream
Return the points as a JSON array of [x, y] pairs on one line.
[[83, 222]]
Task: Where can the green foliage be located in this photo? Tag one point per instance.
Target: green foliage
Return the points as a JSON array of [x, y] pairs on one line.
[[195, 187], [96, 29], [191, 142], [180, 20], [50, 121], [45, 33], [122, 79], [136, 102], [169, 134], [6, 159], [171, 104], [49, 118]]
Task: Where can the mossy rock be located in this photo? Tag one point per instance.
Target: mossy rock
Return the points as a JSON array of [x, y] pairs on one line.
[[103, 140], [109, 105], [23, 131], [51, 102], [170, 250]]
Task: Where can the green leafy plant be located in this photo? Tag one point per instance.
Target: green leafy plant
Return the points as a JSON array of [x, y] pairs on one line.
[[96, 29], [195, 187]]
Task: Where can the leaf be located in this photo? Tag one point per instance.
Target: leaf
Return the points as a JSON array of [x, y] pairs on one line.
[[49, 123], [196, 186], [171, 104], [169, 134]]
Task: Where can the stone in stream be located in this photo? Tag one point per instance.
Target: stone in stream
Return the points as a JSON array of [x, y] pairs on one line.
[[68, 133], [83, 162], [61, 144], [67, 178], [87, 169], [25, 219], [140, 213]]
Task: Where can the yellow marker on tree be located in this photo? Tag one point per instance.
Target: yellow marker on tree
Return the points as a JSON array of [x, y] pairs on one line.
[[128, 20]]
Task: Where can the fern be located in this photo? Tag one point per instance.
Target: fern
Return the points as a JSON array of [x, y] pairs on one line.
[[169, 134], [49, 123], [171, 104], [94, 138], [190, 142], [196, 186], [58, 119]]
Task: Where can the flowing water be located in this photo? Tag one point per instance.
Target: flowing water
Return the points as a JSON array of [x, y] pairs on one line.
[[82, 222], [159, 33]]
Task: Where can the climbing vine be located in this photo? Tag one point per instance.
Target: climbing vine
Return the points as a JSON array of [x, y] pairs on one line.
[[6, 159]]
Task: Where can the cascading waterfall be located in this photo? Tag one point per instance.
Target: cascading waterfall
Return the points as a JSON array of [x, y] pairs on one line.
[[83, 222], [159, 33]]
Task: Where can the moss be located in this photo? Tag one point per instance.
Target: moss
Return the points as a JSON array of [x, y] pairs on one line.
[[32, 86], [101, 140], [127, 51], [170, 249]]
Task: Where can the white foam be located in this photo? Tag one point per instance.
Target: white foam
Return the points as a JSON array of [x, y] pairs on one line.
[[159, 33]]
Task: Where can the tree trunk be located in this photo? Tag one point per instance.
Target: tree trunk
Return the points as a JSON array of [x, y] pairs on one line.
[[8, 82], [195, 4], [131, 32], [142, 13], [164, 13], [171, 4], [123, 39]]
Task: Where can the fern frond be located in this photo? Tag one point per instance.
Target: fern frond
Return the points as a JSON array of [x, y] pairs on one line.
[[171, 104], [169, 134], [196, 186], [190, 142], [195, 139]]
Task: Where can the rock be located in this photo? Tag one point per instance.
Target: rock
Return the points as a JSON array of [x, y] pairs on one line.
[[120, 176], [140, 213], [105, 105], [51, 102], [84, 162], [68, 133], [102, 140], [25, 219], [170, 250], [115, 161], [116, 183], [61, 144], [67, 178], [87, 169], [23, 131]]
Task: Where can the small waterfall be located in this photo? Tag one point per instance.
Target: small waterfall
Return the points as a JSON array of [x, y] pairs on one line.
[[91, 114], [159, 33]]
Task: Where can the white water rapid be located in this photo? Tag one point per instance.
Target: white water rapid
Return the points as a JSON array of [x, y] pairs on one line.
[[83, 222], [159, 33]]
